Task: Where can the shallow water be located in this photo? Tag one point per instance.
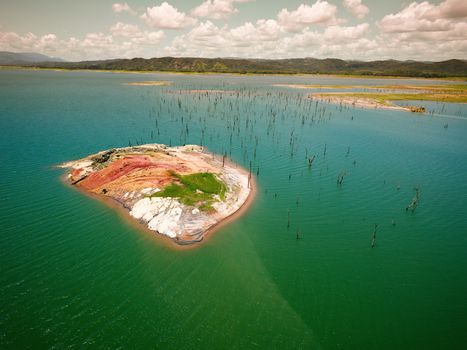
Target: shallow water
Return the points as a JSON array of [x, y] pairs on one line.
[[439, 109], [75, 274]]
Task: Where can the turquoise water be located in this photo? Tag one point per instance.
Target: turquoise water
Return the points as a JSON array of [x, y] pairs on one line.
[[74, 274]]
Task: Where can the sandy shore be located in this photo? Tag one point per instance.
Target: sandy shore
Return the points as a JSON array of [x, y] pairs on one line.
[[241, 210], [359, 102], [205, 92], [120, 178], [303, 86], [150, 83]]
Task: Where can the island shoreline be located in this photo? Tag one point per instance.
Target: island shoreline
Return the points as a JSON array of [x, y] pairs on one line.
[[166, 241]]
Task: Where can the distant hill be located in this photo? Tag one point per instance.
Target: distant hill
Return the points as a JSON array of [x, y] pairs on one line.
[[447, 68], [20, 58]]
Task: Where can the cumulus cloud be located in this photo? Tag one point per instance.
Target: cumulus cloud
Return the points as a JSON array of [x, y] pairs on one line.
[[124, 30], [11, 41], [148, 38], [168, 17], [455, 9], [417, 31], [135, 35], [253, 34], [435, 30], [341, 35], [50, 44], [320, 12], [209, 40], [425, 17], [124, 41], [356, 8], [347, 42], [122, 7], [267, 39], [216, 9]]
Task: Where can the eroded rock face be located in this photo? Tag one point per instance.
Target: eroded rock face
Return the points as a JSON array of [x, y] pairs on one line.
[[134, 176], [161, 214]]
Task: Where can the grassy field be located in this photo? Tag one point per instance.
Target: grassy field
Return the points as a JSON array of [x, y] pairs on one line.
[[449, 88], [455, 93], [196, 190], [385, 98]]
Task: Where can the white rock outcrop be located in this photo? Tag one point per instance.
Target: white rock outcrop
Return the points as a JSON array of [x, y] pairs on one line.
[[161, 214]]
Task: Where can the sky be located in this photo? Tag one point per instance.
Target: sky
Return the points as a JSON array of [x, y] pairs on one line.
[[348, 29]]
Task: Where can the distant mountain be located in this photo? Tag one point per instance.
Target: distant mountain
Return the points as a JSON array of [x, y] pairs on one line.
[[449, 68], [20, 58]]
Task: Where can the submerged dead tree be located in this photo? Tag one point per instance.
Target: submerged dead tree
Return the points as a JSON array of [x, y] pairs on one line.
[[310, 161], [373, 238], [340, 178], [414, 203]]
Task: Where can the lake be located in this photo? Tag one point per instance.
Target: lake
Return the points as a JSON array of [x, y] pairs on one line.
[[296, 271]]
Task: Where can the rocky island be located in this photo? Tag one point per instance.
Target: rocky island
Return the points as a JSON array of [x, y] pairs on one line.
[[180, 192]]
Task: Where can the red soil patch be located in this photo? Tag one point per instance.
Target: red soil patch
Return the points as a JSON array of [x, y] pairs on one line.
[[123, 167], [115, 170], [76, 172]]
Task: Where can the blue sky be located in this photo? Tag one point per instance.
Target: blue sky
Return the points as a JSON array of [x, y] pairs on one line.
[[347, 29]]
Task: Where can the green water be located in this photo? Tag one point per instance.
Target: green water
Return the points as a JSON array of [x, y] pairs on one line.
[[74, 274]]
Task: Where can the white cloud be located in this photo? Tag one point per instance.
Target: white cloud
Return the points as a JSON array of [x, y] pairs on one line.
[[356, 8], [135, 35], [419, 46], [267, 30], [412, 18], [148, 38], [320, 12], [335, 41], [205, 36], [437, 31], [124, 30], [168, 17], [122, 7], [209, 40], [341, 35], [91, 47], [267, 39], [455, 9], [216, 9], [419, 30], [249, 34], [97, 40], [425, 17], [10, 41]]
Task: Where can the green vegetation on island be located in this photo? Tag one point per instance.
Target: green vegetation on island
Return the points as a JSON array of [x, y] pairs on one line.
[[384, 98], [438, 93], [197, 190]]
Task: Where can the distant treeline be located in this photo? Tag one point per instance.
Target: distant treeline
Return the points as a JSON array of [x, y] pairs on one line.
[[449, 68]]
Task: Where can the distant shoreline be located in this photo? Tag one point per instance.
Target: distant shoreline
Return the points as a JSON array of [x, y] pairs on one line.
[[119, 71]]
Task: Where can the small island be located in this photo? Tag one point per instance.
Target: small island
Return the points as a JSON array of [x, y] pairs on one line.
[[384, 96], [150, 83], [179, 192]]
